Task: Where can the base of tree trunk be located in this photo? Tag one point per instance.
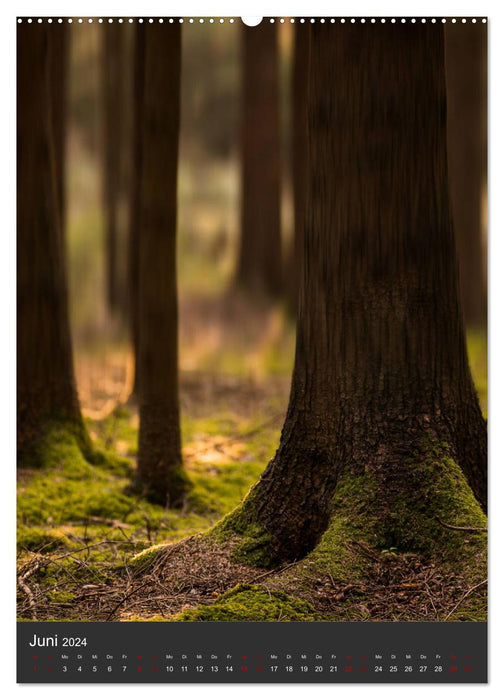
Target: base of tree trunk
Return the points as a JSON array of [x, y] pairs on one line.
[[411, 547], [426, 508], [62, 442], [177, 485]]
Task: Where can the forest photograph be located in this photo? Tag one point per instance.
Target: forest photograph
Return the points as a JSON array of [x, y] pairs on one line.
[[251, 319]]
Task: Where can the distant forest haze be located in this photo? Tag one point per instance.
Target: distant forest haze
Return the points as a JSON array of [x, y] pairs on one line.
[[251, 340]]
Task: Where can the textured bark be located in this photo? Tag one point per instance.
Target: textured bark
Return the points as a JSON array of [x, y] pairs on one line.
[[134, 223], [466, 58], [113, 105], [299, 100], [259, 262], [45, 377], [381, 362], [160, 471]]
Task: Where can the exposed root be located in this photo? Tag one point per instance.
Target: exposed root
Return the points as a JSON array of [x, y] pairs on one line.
[[461, 528]]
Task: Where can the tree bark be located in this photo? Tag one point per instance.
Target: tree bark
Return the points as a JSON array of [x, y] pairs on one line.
[[135, 216], [466, 70], [381, 364], [45, 376], [160, 472], [299, 98], [259, 261]]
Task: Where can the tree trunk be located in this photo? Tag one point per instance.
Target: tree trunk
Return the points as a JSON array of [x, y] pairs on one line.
[[45, 376], [59, 49], [466, 84], [134, 223], [113, 62], [299, 100], [259, 262], [160, 472], [381, 369]]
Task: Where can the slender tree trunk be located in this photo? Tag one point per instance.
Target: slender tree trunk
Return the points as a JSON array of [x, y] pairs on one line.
[[160, 471], [59, 50], [134, 231], [381, 366], [259, 263], [113, 62], [299, 101], [466, 82], [45, 375]]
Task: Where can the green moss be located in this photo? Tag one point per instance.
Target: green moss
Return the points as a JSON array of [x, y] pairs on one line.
[[355, 519], [246, 602], [148, 618], [437, 490], [376, 515], [145, 558], [60, 596], [250, 540], [473, 609], [406, 517], [117, 431], [36, 539]]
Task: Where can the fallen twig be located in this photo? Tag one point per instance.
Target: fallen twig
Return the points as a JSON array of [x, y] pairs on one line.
[[29, 595], [466, 595], [270, 573], [128, 595], [367, 550]]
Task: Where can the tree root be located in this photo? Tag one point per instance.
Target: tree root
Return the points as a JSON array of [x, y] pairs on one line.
[[460, 527]]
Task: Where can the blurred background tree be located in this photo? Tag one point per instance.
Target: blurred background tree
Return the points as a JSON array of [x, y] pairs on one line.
[[215, 330], [160, 475], [259, 269], [46, 390], [466, 79]]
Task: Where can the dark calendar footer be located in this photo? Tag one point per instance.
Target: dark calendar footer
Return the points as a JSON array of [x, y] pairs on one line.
[[251, 652]]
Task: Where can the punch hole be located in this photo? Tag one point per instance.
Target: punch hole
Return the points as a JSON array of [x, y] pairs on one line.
[[251, 21]]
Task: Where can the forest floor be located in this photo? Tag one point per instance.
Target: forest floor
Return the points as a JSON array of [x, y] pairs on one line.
[[79, 531]]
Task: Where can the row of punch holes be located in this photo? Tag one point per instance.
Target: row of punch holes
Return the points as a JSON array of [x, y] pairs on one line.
[[272, 20]]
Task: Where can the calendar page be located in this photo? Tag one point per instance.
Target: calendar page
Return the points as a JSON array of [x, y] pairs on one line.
[[251, 349]]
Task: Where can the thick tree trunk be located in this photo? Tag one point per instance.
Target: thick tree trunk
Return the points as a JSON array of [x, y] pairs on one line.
[[466, 83], [381, 367], [134, 223], [113, 105], [259, 262], [160, 471], [299, 100], [45, 376]]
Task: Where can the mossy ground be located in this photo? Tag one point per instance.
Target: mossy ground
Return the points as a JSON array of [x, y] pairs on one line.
[[79, 530], [251, 603]]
